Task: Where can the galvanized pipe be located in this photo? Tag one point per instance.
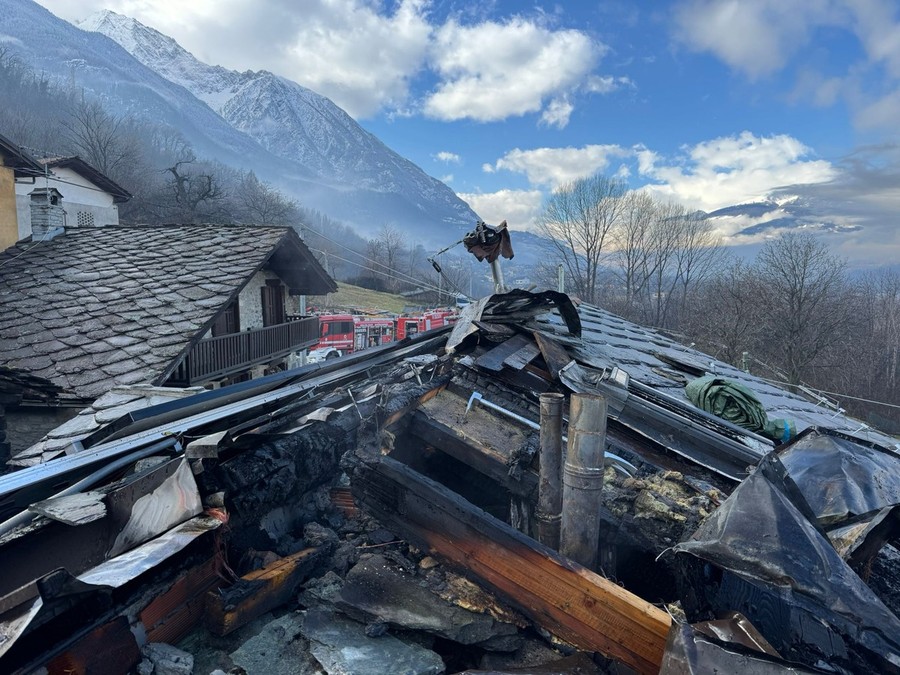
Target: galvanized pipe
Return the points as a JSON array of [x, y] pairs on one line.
[[620, 464], [549, 487], [583, 479]]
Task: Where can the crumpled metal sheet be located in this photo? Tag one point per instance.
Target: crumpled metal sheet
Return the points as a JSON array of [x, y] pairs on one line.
[[120, 570], [173, 501], [690, 652], [759, 555], [514, 307], [840, 476], [59, 586]]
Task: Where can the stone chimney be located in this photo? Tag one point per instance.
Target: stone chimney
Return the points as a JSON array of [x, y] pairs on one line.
[[48, 218]]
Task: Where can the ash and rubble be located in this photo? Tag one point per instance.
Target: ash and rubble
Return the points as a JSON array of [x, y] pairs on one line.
[[326, 520]]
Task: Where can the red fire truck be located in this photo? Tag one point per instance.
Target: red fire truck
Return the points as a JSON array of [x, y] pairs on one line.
[[345, 333]]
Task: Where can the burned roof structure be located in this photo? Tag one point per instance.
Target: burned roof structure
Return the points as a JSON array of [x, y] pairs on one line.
[[356, 492]]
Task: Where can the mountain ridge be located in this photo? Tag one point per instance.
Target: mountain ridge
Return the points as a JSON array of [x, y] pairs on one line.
[[345, 172], [285, 118]]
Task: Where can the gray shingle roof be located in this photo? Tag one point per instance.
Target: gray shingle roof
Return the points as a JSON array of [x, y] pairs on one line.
[[609, 341], [114, 305]]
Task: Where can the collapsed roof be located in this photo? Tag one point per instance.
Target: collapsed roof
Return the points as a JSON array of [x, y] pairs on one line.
[[261, 450]]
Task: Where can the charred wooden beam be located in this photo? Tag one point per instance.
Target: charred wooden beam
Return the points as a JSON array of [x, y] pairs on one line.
[[577, 605], [396, 413], [484, 458], [259, 591], [555, 355]]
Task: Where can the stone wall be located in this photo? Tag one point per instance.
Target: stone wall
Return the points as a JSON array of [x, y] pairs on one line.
[[250, 301]]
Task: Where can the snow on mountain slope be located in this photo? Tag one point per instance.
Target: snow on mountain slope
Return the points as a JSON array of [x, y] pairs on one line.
[[300, 125], [92, 62]]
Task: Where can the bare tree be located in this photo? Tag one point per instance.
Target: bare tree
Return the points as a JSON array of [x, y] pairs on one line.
[[195, 193], [632, 243], [169, 145], [30, 114], [393, 245], [261, 204], [727, 317], [578, 219], [102, 140], [661, 261], [385, 253], [698, 256], [871, 369], [805, 296]]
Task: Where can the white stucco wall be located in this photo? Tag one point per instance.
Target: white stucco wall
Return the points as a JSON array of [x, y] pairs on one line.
[[80, 197]]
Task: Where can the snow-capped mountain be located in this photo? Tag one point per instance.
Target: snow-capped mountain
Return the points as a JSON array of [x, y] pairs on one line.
[[291, 137], [292, 122], [772, 216]]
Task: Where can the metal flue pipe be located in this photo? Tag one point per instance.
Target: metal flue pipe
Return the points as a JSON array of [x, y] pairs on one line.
[[550, 488], [583, 479]]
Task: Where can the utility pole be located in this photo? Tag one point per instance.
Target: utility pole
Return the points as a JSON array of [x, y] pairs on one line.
[[498, 277]]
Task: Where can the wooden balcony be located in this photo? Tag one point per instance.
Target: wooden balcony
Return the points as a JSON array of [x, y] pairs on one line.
[[230, 355]]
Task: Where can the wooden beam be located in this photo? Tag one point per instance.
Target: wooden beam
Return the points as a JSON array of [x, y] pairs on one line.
[[482, 457], [397, 415], [580, 607], [256, 593]]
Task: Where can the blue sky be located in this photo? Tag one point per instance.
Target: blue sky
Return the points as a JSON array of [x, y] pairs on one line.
[[707, 102]]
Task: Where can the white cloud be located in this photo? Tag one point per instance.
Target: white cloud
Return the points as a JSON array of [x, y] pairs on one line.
[[759, 38], [606, 84], [554, 166], [365, 54], [355, 52], [448, 157], [491, 71], [876, 24], [447, 179], [519, 208], [733, 170], [754, 37], [881, 113], [557, 113], [361, 59]]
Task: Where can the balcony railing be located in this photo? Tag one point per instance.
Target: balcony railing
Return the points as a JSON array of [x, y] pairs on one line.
[[228, 355]]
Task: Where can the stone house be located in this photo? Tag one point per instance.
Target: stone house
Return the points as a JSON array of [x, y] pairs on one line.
[[92, 308]]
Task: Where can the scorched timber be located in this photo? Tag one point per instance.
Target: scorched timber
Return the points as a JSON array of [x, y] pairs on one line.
[[577, 605]]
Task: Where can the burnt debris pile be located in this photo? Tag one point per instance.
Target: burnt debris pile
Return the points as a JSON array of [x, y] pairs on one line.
[[444, 504]]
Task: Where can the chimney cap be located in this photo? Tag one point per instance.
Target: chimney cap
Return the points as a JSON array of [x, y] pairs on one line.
[[52, 191]]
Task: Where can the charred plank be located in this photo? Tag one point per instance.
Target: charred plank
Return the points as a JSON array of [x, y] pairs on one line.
[[259, 591], [579, 606]]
